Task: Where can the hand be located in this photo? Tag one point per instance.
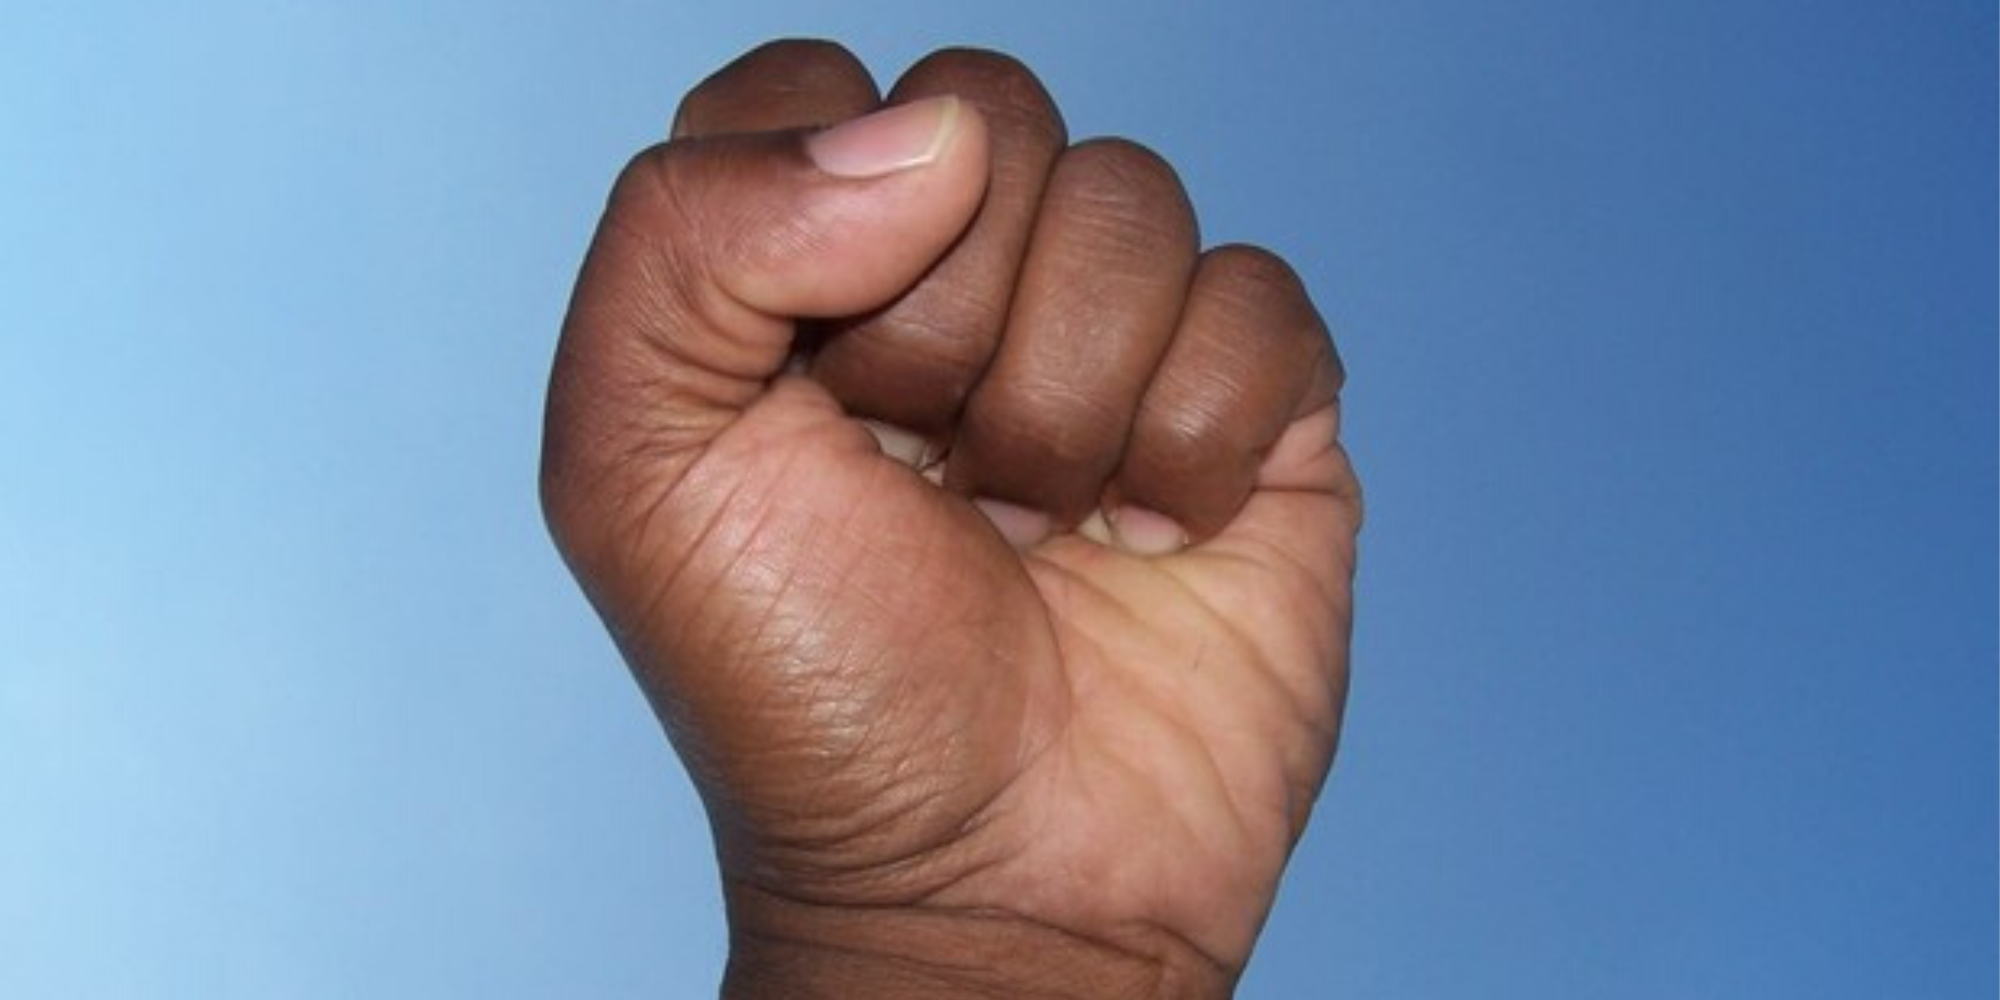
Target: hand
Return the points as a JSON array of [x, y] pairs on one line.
[[984, 548]]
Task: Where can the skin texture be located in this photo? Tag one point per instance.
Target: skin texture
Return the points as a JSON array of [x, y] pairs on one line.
[[941, 759]]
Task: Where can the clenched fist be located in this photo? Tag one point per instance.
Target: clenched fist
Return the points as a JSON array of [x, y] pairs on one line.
[[983, 544]]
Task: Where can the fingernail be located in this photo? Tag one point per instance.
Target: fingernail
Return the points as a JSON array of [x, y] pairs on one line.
[[899, 138], [1021, 526], [1096, 528], [905, 446], [1145, 532]]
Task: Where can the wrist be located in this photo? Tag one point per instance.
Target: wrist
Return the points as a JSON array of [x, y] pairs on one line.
[[785, 948]]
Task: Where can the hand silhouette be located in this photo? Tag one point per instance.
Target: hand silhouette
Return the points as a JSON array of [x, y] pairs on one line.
[[983, 545]]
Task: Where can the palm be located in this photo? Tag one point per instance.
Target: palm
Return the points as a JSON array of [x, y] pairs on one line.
[[906, 709]]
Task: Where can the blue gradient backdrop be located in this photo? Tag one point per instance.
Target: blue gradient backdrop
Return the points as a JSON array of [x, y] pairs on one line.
[[1672, 328]]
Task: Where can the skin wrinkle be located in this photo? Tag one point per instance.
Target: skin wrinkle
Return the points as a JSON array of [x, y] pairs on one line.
[[1258, 664], [575, 467], [946, 971], [665, 310], [936, 868], [759, 634], [759, 243], [1070, 427], [1172, 815], [1224, 551], [683, 721], [1063, 426], [652, 608], [885, 810], [676, 557], [672, 274], [1130, 191], [1278, 554], [917, 875], [1250, 564], [1032, 754], [956, 360], [1214, 767], [865, 746], [666, 210], [846, 884], [866, 682]]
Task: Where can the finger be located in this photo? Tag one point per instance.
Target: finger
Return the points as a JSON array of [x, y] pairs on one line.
[[914, 363], [794, 83], [1098, 298], [708, 247], [1302, 520], [1250, 356]]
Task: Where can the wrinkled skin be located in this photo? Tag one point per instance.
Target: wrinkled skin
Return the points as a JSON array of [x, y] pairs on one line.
[[939, 761]]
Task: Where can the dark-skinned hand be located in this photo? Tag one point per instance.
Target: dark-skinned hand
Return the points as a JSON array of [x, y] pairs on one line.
[[984, 545]]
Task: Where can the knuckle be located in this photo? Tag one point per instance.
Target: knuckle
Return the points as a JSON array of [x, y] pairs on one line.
[[671, 200], [641, 178], [1253, 274], [788, 64], [658, 247], [1263, 290], [1003, 87], [650, 184], [773, 76], [1262, 306], [651, 207], [805, 59], [1117, 183]]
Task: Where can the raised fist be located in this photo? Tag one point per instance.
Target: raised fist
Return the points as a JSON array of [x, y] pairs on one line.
[[983, 544]]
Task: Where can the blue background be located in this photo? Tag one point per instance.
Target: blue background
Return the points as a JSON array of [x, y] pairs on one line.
[[1672, 328]]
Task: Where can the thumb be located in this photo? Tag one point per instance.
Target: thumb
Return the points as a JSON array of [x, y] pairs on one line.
[[708, 252]]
